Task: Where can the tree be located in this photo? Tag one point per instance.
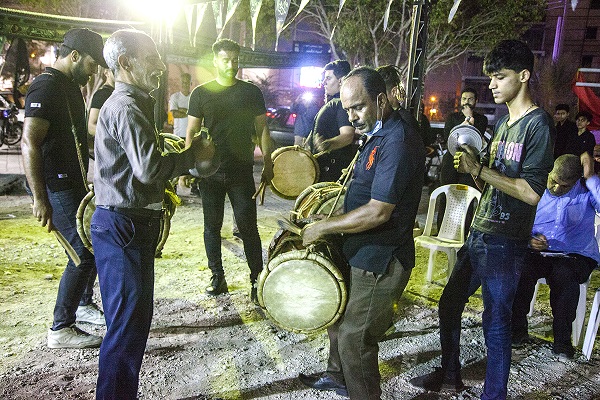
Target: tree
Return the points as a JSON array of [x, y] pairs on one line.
[[359, 37]]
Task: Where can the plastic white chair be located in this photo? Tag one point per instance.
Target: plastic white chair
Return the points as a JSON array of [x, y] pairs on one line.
[[577, 327], [592, 327], [581, 305], [451, 235]]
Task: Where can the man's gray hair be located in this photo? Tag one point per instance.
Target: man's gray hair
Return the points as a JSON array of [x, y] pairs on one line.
[[123, 41]]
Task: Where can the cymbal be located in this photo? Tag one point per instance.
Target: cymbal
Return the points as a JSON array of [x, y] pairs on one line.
[[464, 134]]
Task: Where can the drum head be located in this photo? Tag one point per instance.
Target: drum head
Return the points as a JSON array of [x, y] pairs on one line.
[[294, 169], [464, 134], [302, 291], [84, 218], [319, 198]]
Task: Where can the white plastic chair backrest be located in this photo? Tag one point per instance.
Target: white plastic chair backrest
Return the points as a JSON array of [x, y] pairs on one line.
[[458, 199]]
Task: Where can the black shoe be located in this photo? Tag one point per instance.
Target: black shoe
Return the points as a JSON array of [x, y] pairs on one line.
[[323, 381], [218, 285], [520, 339], [564, 353], [254, 294], [437, 381]]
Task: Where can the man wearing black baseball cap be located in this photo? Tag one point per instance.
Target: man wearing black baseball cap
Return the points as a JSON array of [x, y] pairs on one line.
[[55, 158], [86, 42]]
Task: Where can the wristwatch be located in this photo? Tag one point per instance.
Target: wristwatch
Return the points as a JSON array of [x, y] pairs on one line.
[[468, 119]]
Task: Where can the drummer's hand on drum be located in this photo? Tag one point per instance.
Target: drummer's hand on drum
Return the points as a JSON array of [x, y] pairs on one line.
[[467, 161], [203, 148], [312, 232], [42, 210], [320, 143]]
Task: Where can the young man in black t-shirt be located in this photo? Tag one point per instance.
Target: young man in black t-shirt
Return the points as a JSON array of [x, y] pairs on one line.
[[513, 178], [56, 161], [234, 113]]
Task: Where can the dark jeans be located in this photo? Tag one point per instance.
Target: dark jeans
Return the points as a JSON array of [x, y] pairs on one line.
[[239, 187], [124, 247], [354, 342], [495, 264], [563, 275], [76, 284]]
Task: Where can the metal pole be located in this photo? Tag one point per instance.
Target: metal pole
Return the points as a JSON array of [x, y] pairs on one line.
[[417, 56]]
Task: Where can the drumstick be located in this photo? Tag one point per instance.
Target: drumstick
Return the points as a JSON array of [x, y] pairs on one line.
[[261, 192], [289, 226], [68, 248]]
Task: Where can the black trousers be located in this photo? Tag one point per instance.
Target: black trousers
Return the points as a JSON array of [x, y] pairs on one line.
[[563, 275]]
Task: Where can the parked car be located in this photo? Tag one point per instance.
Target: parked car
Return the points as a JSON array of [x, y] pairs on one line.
[[281, 125]]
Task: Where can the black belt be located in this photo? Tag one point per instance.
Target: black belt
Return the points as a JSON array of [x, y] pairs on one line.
[[136, 212]]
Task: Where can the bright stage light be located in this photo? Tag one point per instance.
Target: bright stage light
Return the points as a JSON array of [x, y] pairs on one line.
[[156, 10], [311, 77]]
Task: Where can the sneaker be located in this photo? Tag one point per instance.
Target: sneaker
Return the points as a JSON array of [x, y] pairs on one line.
[[218, 285], [436, 381], [90, 314], [72, 338], [324, 381]]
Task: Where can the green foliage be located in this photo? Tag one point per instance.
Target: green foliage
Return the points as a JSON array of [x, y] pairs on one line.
[[359, 35], [479, 24]]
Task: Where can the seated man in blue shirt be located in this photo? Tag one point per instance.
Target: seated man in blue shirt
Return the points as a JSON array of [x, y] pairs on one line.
[[564, 224]]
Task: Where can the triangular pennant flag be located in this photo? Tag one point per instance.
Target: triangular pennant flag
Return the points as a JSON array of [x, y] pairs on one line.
[[231, 7], [200, 10], [453, 10], [574, 4], [189, 18], [218, 13], [302, 5], [281, 11], [386, 16], [255, 6], [342, 2]]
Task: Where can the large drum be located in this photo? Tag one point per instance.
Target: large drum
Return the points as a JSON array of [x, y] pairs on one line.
[[294, 169], [88, 206], [302, 289], [319, 198]]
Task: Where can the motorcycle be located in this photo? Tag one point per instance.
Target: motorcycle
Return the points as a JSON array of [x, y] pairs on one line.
[[433, 160], [11, 131]]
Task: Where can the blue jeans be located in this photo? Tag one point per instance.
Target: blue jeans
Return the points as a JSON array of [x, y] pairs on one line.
[[124, 247], [239, 187], [494, 263], [76, 284]]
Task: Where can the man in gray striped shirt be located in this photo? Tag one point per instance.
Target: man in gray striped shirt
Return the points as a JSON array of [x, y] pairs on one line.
[[129, 183]]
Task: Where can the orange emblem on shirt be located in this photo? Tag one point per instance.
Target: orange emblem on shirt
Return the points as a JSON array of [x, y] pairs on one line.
[[371, 158]]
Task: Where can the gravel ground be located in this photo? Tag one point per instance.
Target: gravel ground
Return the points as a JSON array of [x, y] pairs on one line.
[[224, 347]]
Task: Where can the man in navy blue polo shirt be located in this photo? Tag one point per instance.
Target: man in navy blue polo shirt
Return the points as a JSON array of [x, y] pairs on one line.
[[380, 208]]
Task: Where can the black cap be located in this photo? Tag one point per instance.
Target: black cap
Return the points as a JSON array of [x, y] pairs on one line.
[[87, 42]]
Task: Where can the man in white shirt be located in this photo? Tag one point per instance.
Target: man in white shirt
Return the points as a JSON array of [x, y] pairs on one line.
[[178, 105]]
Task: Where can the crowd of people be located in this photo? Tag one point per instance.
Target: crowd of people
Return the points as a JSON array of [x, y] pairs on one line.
[[535, 218]]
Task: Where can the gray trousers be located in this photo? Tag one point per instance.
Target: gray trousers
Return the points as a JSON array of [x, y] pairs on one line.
[[354, 339]]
